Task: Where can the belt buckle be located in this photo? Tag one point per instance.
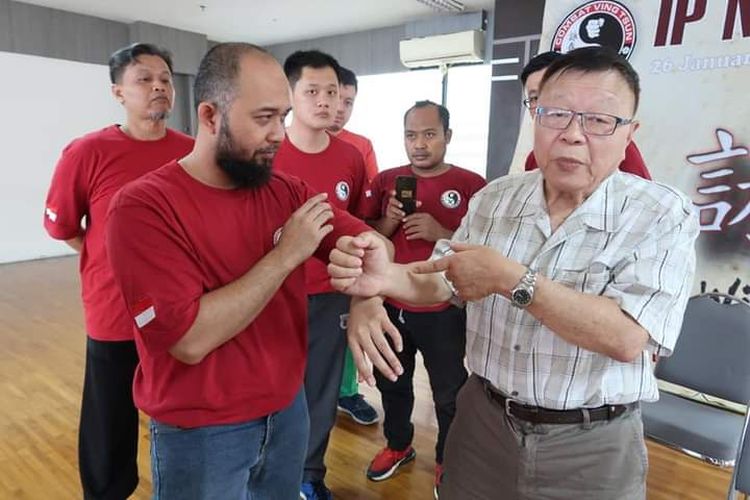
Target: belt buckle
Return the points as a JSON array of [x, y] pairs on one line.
[[508, 401]]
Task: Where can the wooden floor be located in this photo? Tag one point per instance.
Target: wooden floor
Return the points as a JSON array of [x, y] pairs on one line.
[[41, 372]]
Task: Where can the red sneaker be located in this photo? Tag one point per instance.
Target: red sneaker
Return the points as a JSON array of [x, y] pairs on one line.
[[438, 479], [387, 461]]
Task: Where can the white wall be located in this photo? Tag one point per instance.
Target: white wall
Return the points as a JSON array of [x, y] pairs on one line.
[[45, 103]]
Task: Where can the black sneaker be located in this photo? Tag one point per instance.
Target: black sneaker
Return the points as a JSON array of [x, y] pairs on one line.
[[359, 409]]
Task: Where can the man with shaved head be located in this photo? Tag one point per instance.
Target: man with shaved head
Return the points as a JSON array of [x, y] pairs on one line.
[[207, 253]]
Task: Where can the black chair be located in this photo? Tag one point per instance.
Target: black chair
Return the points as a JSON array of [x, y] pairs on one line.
[[741, 476], [712, 357]]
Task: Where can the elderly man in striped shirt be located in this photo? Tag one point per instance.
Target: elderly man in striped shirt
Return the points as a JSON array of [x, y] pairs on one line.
[[575, 278]]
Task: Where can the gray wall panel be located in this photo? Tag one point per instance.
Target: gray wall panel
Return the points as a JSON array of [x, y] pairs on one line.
[[63, 35], [187, 48], [5, 38], [513, 20]]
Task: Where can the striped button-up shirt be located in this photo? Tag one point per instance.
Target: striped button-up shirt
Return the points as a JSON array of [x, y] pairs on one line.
[[631, 241]]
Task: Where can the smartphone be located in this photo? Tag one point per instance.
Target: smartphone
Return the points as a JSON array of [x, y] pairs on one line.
[[406, 193]]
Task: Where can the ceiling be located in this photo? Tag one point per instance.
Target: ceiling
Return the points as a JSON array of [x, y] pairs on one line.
[[263, 22]]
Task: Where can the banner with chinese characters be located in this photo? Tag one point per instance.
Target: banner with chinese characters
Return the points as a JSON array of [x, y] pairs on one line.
[[693, 57]]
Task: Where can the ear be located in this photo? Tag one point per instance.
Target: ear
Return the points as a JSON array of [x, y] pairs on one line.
[[209, 117], [448, 135], [633, 128], [116, 90]]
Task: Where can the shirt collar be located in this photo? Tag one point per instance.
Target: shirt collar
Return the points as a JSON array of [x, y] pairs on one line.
[[597, 211]]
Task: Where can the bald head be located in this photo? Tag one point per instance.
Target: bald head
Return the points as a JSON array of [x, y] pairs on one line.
[[217, 79]]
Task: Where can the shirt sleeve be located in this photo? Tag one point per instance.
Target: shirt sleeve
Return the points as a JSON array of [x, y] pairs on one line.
[[373, 205], [653, 285], [371, 162], [633, 162], [359, 190], [530, 162], [68, 196], [157, 272]]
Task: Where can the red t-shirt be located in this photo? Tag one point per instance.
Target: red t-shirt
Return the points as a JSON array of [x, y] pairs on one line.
[[445, 197], [171, 239], [632, 163], [364, 146], [90, 171], [337, 170]]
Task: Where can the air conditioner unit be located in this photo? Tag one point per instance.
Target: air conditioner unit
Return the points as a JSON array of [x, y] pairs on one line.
[[453, 48]]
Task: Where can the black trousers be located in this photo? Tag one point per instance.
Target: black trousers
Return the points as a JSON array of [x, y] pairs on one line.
[[327, 313], [441, 338], [108, 431]]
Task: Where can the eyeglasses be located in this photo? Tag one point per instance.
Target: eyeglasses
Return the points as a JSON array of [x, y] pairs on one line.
[[592, 123], [530, 102]]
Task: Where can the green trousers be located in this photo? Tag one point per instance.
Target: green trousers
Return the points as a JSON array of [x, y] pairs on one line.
[[349, 385]]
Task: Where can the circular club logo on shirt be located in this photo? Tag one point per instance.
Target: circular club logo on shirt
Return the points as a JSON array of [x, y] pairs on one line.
[[277, 235], [602, 22], [450, 198], [342, 191]]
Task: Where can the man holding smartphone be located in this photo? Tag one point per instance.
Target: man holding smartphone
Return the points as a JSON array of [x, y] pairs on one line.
[[415, 205]]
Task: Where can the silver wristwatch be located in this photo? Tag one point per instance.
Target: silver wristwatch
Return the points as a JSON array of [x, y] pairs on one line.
[[523, 293]]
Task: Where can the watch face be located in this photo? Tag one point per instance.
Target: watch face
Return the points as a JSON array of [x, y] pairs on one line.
[[521, 297]]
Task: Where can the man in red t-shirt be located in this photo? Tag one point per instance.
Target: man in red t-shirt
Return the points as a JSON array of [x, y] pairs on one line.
[[328, 165], [90, 171], [351, 402], [531, 77], [208, 254], [347, 96], [438, 332]]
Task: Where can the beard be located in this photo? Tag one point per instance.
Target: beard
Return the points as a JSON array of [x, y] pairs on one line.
[[232, 160], [158, 116]]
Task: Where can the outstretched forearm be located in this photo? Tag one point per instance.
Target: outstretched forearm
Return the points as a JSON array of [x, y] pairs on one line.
[[595, 323], [226, 311], [404, 285]]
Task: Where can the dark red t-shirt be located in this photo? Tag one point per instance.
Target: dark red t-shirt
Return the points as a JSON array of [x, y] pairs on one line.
[[632, 163], [364, 146], [90, 171], [171, 239], [338, 170], [445, 197]]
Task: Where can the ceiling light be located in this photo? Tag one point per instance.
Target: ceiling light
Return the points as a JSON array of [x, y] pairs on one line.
[[444, 5]]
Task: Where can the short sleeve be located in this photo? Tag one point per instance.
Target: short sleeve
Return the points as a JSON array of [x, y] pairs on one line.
[[156, 270], [373, 206], [654, 283], [371, 161], [68, 196], [361, 185], [633, 162], [530, 162]]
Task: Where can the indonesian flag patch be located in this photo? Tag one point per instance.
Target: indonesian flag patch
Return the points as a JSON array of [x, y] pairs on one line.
[[144, 312], [51, 214]]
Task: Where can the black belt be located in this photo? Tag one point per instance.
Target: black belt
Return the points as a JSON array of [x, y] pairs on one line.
[[538, 415]]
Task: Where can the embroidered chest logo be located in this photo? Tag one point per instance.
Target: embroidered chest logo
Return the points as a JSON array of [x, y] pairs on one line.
[[277, 236], [450, 198], [342, 191], [606, 23]]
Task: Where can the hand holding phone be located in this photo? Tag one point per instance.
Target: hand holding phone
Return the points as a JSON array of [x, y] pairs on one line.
[[406, 193]]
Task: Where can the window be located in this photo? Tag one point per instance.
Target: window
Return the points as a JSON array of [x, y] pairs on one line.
[[381, 103], [383, 99]]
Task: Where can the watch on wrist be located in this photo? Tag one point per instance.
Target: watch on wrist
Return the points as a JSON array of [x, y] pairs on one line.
[[523, 293]]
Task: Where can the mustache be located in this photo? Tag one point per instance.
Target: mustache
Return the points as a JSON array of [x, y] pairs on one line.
[[269, 149]]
